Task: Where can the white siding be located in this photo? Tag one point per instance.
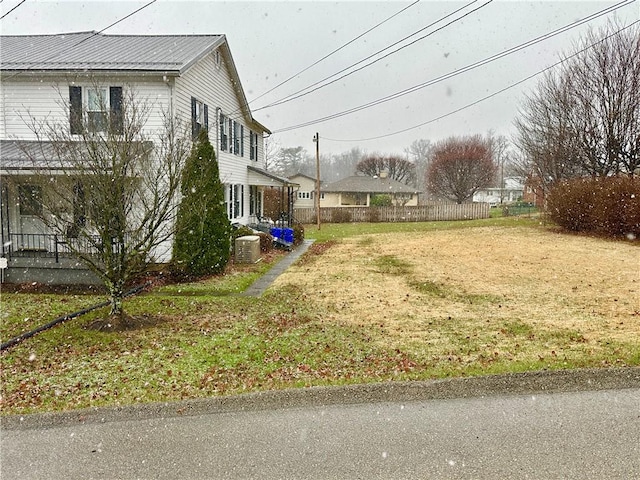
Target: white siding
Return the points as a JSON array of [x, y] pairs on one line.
[[307, 188], [25, 101], [212, 84]]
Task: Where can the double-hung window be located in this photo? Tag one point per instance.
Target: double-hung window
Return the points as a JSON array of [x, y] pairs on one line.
[[238, 138], [96, 109], [224, 133], [255, 200], [30, 199], [199, 117], [97, 115], [235, 201], [253, 146]]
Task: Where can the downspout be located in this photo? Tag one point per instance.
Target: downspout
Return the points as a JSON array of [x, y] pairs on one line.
[[170, 84]]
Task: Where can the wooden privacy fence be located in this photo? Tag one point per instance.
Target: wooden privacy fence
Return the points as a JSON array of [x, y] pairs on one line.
[[421, 213]]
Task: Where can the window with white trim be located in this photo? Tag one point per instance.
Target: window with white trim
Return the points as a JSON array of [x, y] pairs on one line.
[[255, 200], [96, 109], [235, 201], [199, 117], [224, 133], [306, 195], [253, 146]]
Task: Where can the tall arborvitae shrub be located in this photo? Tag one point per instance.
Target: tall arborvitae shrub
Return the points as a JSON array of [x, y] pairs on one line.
[[604, 205], [202, 240]]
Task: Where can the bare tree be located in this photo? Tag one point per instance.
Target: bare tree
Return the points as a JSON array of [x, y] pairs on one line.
[[461, 167], [501, 155], [420, 154], [397, 168], [341, 165], [109, 187], [271, 152], [584, 118]]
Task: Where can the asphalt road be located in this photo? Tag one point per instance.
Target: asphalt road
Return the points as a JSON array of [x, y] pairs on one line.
[[581, 434]]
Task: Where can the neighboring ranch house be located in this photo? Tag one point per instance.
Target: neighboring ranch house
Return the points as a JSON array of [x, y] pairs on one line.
[[57, 76], [358, 191]]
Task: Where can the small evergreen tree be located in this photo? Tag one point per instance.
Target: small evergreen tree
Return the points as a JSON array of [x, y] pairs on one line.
[[202, 240]]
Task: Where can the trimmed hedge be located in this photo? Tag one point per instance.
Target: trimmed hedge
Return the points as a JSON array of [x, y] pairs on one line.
[[605, 205]]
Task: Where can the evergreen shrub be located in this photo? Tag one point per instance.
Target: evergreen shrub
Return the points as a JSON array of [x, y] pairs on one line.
[[202, 243]]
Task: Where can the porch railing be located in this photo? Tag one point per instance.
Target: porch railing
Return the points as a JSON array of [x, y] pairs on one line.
[[42, 245]]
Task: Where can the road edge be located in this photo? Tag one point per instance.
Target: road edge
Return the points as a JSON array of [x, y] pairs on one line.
[[537, 382]]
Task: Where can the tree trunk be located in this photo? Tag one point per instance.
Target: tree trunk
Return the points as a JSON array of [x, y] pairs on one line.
[[116, 293]]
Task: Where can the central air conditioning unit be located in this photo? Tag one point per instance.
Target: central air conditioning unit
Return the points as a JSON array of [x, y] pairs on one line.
[[247, 249]]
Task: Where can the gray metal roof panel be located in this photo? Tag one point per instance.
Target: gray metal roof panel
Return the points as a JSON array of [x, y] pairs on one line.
[[96, 51], [365, 184]]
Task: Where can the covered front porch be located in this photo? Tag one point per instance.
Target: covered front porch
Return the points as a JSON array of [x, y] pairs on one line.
[[277, 197]]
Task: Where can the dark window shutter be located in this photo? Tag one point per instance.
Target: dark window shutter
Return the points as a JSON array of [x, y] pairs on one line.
[[206, 117], [230, 136], [242, 140], [116, 118], [194, 122], [242, 200], [75, 110]]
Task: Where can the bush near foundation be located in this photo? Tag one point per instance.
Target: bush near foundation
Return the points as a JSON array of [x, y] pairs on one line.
[[266, 240], [298, 233], [604, 205]]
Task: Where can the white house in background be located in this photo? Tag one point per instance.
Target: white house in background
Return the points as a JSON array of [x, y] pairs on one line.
[[305, 194], [192, 76], [511, 191]]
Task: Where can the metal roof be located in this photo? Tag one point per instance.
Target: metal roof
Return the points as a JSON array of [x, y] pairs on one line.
[[270, 176], [364, 184], [26, 155], [96, 51]]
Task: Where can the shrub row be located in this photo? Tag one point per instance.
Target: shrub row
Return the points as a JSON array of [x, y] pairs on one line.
[[609, 205]]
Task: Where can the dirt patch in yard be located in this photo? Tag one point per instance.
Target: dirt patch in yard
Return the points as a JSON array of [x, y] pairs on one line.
[[491, 287]]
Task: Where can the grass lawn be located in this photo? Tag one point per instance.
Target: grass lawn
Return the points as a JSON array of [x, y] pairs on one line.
[[367, 303]]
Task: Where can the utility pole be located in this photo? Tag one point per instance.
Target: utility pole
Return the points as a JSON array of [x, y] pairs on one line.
[[317, 140]]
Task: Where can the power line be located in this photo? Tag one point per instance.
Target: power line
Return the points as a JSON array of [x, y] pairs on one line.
[[299, 93], [488, 96], [459, 71], [2, 17], [334, 51]]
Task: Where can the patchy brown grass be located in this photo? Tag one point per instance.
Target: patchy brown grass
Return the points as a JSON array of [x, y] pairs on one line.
[[505, 291]]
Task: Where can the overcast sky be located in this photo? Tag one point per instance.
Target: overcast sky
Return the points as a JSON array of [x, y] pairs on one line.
[[273, 41]]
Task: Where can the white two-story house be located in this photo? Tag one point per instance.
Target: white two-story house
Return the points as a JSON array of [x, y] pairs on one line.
[[59, 76]]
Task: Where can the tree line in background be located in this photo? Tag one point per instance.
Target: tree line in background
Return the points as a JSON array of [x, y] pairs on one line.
[[453, 169]]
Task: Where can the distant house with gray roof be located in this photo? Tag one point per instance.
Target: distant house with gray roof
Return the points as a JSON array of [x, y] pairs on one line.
[[59, 77], [358, 190]]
